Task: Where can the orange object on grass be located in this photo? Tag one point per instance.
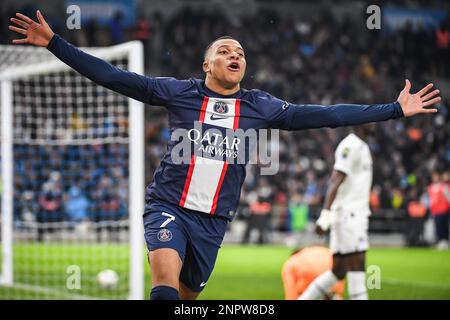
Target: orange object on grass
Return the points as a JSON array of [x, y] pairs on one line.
[[303, 267]]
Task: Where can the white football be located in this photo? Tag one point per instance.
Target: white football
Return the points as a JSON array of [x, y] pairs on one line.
[[107, 279]]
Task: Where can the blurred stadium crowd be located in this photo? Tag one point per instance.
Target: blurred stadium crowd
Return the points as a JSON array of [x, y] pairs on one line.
[[322, 60]]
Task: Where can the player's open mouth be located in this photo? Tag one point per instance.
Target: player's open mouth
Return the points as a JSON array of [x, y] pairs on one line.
[[234, 66]]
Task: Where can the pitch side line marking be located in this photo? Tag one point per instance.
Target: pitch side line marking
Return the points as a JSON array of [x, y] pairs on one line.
[[415, 283], [52, 291]]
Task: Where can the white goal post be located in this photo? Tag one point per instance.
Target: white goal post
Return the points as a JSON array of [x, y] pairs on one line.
[[29, 125]]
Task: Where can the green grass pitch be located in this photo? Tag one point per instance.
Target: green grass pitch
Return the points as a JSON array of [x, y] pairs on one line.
[[241, 272]]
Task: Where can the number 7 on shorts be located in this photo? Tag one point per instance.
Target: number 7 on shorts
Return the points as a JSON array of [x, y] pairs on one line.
[[169, 219]]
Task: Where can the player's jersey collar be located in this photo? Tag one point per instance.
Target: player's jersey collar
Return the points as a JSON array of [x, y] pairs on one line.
[[211, 93]]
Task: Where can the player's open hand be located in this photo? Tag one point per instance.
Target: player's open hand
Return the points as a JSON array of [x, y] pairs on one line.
[[38, 34], [416, 103]]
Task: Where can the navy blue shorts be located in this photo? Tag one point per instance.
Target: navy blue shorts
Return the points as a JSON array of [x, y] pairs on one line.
[[196, 237]]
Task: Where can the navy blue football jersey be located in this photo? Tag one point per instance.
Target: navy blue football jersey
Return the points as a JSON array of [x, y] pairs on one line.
[[211, 180]]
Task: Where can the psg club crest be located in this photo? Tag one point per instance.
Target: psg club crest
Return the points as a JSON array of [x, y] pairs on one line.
[[164, 235], [220, 107]]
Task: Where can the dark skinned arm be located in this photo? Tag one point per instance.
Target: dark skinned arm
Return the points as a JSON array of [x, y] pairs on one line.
[[336, 179]]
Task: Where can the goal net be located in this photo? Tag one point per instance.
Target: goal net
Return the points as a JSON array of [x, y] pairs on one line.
[[70, 152]]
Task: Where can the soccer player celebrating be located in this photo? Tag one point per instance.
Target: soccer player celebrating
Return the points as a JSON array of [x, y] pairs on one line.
[[345, 213], [188, 205]]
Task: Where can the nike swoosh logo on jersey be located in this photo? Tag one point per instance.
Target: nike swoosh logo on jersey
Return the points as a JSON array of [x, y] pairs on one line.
[[202, 284], [216, 118]]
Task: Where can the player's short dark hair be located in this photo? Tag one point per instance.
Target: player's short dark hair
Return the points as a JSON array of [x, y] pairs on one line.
[[220, 38]]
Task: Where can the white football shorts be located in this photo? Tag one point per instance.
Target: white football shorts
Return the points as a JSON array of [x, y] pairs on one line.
[[349, 233]]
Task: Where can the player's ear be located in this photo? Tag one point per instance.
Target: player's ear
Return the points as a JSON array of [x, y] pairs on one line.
[[206, 68]]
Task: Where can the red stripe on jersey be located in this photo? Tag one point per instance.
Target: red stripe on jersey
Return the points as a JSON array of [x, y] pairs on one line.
[[203, 110], [237, 114], [219, 186], [188, 181]]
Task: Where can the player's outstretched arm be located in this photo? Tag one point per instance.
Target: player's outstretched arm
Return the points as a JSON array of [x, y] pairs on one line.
[[40, 34], [298, 117]]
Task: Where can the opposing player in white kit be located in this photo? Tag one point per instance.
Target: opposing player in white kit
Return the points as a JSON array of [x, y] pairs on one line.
[[346, 214]]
